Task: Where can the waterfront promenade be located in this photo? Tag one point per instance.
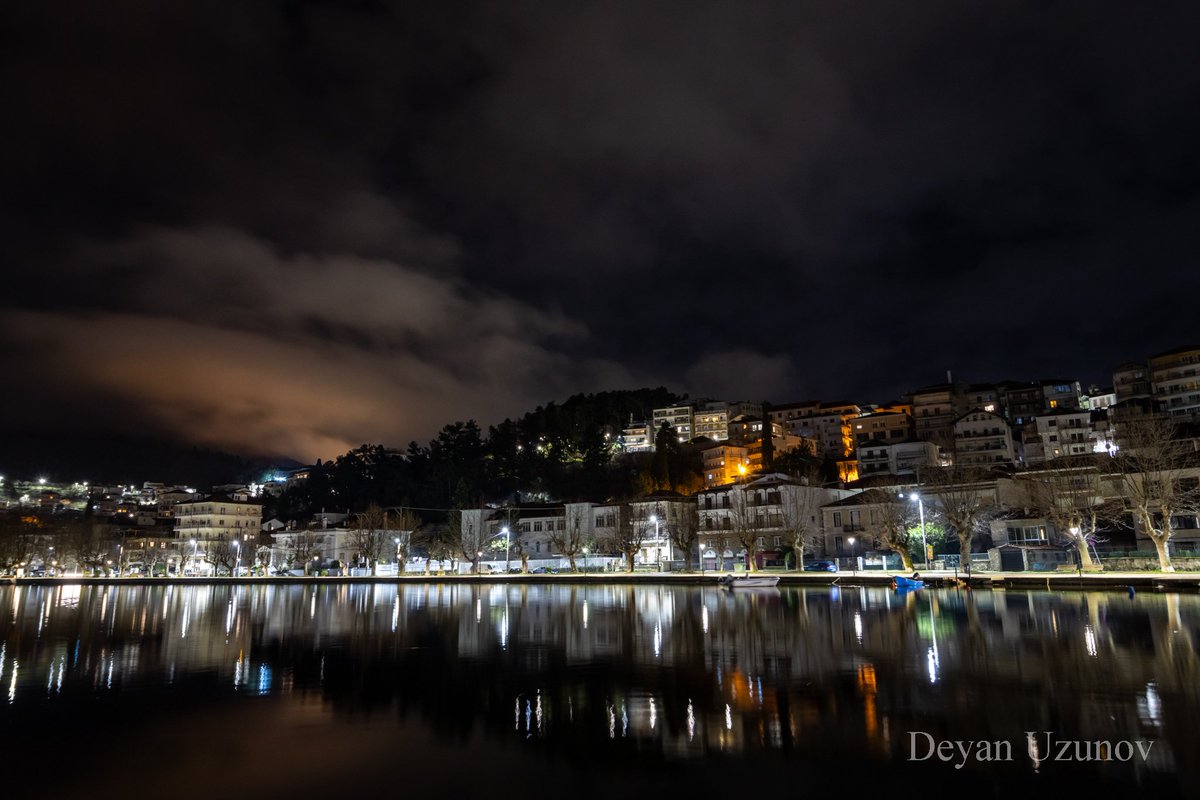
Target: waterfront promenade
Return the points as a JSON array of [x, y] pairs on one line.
[[1100, 581]]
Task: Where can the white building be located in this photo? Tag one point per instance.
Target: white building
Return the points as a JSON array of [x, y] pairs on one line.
[[982, 438], [772, 505], [895, 458]]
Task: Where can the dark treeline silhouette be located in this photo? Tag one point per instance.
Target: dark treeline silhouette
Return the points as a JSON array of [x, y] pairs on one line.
[[563, 451]]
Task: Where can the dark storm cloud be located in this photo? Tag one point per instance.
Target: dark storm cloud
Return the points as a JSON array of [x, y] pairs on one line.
[[303, 225]]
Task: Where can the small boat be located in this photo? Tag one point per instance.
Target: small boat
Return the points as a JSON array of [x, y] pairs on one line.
[[748, 581], [903, 584]]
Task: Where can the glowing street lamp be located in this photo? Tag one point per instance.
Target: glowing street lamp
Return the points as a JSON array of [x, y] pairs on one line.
[[921, 509], [507, 546], [585, 559]]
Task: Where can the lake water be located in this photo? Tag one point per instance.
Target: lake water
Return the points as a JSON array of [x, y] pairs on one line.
[[475, 690]]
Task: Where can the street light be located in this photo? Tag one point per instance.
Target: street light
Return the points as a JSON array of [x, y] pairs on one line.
[[585, 559], [657, 541], [507, 546], [921, 509]]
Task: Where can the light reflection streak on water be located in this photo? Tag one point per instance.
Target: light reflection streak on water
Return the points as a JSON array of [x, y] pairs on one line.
[[691, 720], [3, 655], [264, 679], [1089, 638], [657, 638], [585, 615], [396, 614], [624, 720], [653, 714], [728, 717], [12, 685], [612, 723], [704, 618], [478, 610], [539, 711], [858, 626]]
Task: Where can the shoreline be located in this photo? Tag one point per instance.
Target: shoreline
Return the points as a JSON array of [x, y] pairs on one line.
[[1180, 581]]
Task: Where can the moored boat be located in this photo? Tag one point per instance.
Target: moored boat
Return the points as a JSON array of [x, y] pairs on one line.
[[748, 581], [901, 583]]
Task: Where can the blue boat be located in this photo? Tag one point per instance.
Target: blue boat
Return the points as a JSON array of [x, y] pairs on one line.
[[900, 583]]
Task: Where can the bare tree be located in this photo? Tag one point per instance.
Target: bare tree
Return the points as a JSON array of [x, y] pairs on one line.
[[410, 524], [83, 542], [685, 531], [468, 531], [1153, 466], [632, 528], [964, 502], [800, 512], [570, 541], [1072, 500], [18, 541], [369, 535], [220, 554], [302, 547], [747, 522], [889, 521]]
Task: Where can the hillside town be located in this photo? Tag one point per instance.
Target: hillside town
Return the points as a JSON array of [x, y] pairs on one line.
[[1039, 475]]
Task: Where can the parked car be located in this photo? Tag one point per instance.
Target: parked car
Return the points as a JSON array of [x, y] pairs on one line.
[[543, 571], [820, 566]]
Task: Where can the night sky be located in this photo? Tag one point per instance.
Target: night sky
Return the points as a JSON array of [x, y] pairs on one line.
[[290, 228]]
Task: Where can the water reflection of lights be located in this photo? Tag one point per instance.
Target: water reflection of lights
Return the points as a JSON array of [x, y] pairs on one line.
[[624, 720], [1089, 639], [396, 614], [12, 685], [1150, 706], [612, 723], [931, 664], [478, 610], [585, 614], [858, 626], [264, 679], [539, 711], [657, 639], [653, 714], [704, 618], [728, 717], [691, 721]]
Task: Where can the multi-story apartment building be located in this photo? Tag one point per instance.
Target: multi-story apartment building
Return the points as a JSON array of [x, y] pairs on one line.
[[725, 463], [1073, 432], [1175, 381], [637, 437], [935, 408], [678, 417], [765, 510], [1131, 381], [711, 419], [983, 438], [201, 522], [880, 457], [886, 426]]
